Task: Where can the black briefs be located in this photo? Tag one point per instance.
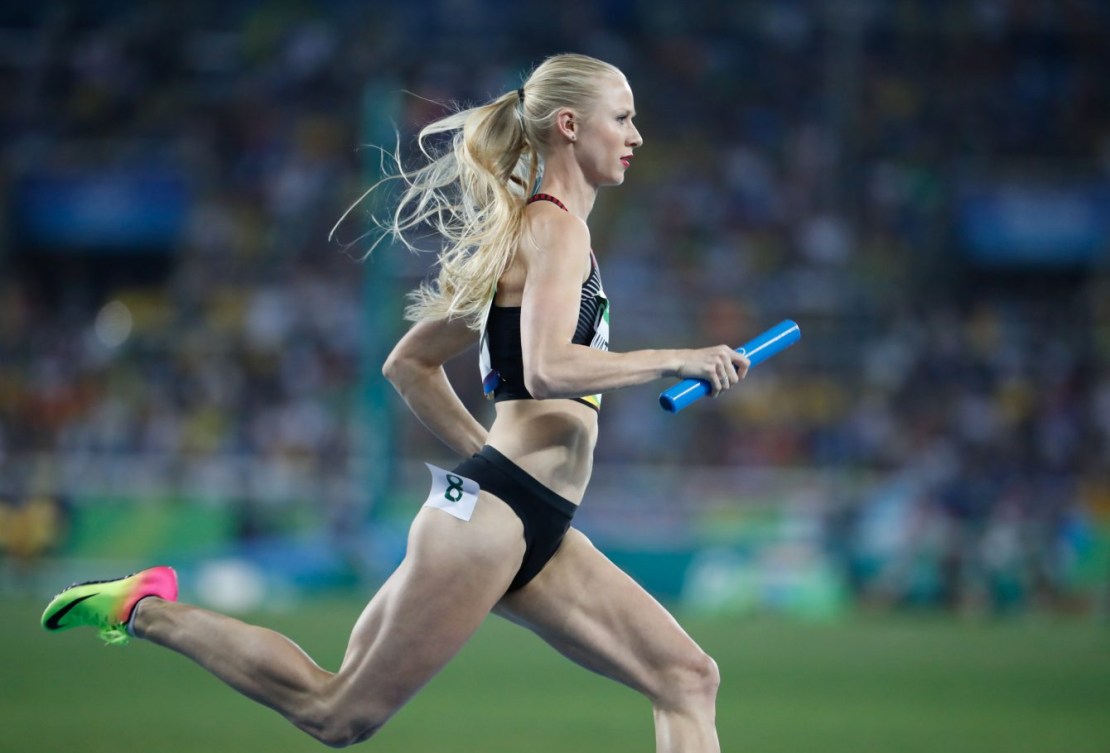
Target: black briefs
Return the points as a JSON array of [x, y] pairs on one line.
[[546, 516]]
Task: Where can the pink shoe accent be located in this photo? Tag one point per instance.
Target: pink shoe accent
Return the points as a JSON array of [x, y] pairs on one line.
[[157, 581]]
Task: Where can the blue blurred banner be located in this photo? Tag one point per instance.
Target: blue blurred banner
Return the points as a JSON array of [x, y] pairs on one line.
[[133, 209], [1033, 223]]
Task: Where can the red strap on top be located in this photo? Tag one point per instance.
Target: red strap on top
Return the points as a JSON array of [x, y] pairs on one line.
[[547, 197]]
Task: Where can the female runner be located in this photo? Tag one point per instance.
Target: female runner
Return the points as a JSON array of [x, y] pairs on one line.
[[518, 277]]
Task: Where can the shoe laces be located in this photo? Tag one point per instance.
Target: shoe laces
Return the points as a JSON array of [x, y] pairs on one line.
[[115, 635]]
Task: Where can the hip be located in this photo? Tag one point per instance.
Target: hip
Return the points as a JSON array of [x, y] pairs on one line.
[[551, 440]]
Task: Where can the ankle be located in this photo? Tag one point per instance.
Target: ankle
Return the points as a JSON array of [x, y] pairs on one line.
[[142, 609]]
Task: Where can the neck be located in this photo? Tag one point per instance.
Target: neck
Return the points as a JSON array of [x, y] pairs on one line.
[[569, 186]]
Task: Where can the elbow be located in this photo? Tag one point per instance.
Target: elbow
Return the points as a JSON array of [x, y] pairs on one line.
[[395, 368], [537, 389], [540, 384], [405, 369]]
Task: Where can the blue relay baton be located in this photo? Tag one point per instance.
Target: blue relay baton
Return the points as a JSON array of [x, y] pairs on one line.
[[778, 338]]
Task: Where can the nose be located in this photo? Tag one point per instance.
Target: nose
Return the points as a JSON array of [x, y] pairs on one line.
[[636, 140]]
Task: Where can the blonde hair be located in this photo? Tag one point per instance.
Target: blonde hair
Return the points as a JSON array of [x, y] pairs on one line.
[[474, 188]]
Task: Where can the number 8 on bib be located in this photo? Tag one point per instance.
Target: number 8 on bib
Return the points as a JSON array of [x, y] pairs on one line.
[[452, 493]]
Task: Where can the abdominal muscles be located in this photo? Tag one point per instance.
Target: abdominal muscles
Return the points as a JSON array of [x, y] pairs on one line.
[[551, 440]]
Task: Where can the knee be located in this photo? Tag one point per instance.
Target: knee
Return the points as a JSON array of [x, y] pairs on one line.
[[703, 676], [691, 680], [339, 727], [344, 736]]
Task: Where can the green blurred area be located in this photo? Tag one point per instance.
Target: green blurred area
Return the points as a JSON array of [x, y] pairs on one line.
[[124, 529], [740, 560], [866, 684]]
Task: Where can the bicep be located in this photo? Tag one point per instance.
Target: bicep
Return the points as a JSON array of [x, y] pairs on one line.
[[552, 297]]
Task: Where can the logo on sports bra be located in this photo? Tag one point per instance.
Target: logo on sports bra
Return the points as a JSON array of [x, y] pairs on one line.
[[600, 339]]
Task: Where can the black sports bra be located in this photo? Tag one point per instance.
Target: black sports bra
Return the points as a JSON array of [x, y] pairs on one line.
[[502, 361]]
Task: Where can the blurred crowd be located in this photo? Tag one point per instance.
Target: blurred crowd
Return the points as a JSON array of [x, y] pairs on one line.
[[802, 160]]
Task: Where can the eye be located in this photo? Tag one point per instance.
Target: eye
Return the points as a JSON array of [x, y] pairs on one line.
[[622, 118]]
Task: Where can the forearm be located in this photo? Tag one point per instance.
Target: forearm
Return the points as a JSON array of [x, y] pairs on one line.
[[578, 370], [415, 368], [430, 396]]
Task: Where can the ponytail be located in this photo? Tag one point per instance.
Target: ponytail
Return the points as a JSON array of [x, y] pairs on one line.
[[473, 194]]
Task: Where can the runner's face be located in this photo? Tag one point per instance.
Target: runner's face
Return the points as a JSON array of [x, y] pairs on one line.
[[607, 136]]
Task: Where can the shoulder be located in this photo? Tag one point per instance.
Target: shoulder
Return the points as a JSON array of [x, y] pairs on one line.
[[551, 234]]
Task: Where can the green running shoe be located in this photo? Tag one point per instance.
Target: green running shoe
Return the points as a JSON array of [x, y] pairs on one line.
[[108, 604]]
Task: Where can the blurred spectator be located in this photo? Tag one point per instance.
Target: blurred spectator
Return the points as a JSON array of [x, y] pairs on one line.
[[802, 160]]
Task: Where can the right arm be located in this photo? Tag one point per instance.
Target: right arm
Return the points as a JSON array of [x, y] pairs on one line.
[[415, 368]]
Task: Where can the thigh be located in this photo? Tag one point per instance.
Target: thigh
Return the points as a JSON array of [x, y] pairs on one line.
[[453, 573], [597, 615]]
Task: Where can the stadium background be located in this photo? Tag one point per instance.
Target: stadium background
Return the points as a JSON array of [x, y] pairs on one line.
[[909, 507]]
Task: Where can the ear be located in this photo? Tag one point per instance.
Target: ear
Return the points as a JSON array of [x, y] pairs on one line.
[[566, 123]]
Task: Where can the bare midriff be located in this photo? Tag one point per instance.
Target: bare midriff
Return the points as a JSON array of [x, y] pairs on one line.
[[551, 440]]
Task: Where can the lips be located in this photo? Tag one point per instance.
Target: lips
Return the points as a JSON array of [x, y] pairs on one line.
[[626, 160]]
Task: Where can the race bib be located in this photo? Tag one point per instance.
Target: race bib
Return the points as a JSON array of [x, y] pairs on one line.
[[452, 493]]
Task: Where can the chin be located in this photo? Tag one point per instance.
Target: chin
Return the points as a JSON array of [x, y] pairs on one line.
[[612, 179]]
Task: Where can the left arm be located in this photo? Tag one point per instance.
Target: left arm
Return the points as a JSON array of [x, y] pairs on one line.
[[415, 368], [554, 367]]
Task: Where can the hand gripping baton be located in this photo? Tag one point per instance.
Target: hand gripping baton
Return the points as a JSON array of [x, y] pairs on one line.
[[778, 338]]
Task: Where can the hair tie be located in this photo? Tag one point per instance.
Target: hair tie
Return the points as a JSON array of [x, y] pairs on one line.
[[520, 108]]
